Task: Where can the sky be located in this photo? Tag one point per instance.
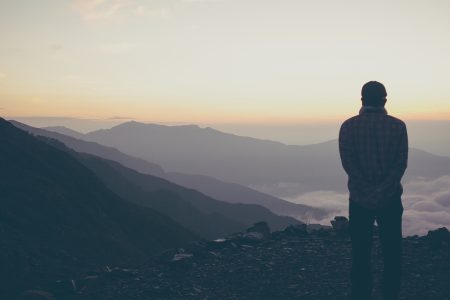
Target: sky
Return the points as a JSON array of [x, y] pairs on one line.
[[222, 61]]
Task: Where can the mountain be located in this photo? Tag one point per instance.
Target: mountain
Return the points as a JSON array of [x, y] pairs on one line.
[[235, 193], [217, 189], [231, 158], [199, 213], [83, 146], [65, 131], [290, 134], [58, 219], [247, 161]]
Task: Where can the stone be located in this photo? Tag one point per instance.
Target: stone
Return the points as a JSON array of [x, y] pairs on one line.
[[297, 230], [259, 230], [340, 224], [290, 266], [438, 237], [36, 295]]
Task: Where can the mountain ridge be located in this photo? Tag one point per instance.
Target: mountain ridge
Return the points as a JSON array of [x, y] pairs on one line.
[[249, 161], [222, 191]]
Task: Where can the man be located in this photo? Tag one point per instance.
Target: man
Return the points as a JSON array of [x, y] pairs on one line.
[[374, 153]]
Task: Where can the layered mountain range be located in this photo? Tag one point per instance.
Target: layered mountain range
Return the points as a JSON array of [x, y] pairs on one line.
[[246, 161], [64, 212], [215, 188]]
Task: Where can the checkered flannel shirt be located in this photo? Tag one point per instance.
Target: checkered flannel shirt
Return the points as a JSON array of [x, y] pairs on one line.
[[374, 152]]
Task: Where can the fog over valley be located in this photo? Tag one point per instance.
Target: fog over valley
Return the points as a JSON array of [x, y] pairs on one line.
[[426, 204]]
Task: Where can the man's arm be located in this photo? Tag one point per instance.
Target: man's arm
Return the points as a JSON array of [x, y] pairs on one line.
[[400, 162], [347, 156]]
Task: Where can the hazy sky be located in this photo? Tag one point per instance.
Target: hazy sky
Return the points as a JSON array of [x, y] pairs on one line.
[[244, 61]]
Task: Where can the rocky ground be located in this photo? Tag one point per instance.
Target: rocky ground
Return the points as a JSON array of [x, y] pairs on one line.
[[292, 264]]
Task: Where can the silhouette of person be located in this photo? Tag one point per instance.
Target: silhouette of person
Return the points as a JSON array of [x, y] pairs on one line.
[[374, 152]]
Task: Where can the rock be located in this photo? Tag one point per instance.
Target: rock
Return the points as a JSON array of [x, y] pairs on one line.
[[64, 287], [340, 225], [220, 240], [259, 230], [217, 244], [121, 273], [88, 283], [313, 227], [36, 295], [254, 236], [286, 266], [438, 237], [322, 232], [181, 255], [296, 230]]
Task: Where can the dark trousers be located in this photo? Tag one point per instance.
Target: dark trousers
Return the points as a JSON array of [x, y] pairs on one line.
[[389, 222]]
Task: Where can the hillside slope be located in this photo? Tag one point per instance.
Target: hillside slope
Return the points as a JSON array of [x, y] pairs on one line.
[[203, 215], [292, 264], [57, 218]]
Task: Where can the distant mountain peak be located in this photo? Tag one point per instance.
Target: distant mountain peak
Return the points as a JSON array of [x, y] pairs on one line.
[[64, 130], [129, 124], [140, 125]]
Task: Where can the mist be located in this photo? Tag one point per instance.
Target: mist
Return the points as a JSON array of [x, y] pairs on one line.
[[426, 205]]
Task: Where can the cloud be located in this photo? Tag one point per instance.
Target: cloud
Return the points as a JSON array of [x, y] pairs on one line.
[[2, 75], [96, 10], [426, 204], [335, 204], [116, 48], [99, 9], [328, 200], [443, 199], [144, 11]]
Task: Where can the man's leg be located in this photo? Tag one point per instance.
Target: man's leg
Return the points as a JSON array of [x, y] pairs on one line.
[[361, 229], [390, 225]]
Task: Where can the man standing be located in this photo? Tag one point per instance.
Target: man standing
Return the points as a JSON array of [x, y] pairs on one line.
[[374, 152]]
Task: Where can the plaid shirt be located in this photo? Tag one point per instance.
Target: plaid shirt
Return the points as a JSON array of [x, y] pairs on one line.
[[374, 153]]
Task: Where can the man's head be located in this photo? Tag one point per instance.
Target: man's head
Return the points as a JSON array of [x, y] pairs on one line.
[[373, 93]]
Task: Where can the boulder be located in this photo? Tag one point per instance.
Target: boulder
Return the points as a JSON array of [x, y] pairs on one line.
[[340, 225], [438, 237], [297, 230], [259, 230]]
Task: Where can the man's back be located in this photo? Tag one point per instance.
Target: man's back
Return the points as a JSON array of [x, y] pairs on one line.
[[374, 153]]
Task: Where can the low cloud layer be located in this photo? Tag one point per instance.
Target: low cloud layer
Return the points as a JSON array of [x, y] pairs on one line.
[[426, 204]]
